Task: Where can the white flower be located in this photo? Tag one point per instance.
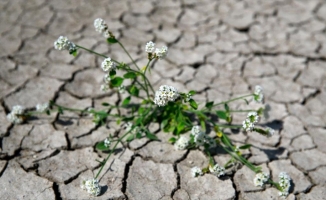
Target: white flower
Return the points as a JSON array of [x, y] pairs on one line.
[[91, 186], [284, 183], [108, 65], [217, 170], [107, 142], [199, 138], [195, 130], [247, 125], [100, 25], [196, 171], [150, 46], [270, 132], [122, 89], [210, 141], [63, 43], [165, 94], [162, 52], [188, 97], [107, 78], [181, 143], [104, 87], [127, 126], [199, 135], [42, 107], [260, 179], [253, 117], [16, 114], [258, 94]]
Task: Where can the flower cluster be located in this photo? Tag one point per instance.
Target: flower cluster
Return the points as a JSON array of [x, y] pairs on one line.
[[91, 186], [133, 130], [107, 142], [285, 183], [217, 170], [108, 65], [42, 107], [16, 115], [200, 138], [249, 123], [182, 143], [260, 179], [159, 53], [269, 132], [258, 94], [165, 94], [196, 171], [105, 87], [101, 27], [150, 47], [63, 43]]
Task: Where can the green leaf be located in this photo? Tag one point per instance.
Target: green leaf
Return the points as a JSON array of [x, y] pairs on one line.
[[172, 140], [192, 92], [117, 81], [203, 125], [151, 136], [134, 91], [165, 122], [130, 75], [209, 105], [180, 127], [130, 138], [138, 135], [226, 106], [224, 140], [60, 110], [74, 52], [126, 101], [247, 102], [100, 146], [193, 104], [112, 73], [246, 146], [105, 104], [48, 112], [221, 114], [112, 40]]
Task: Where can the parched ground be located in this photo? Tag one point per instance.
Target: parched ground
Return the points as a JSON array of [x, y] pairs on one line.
[[222, 49]]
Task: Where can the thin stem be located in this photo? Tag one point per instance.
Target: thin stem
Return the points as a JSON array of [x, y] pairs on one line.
[[277, 185], [243, 160], [70, 109], [108, 157], [242, 111], [91, 51], [147, 66], [224, 102], [128, 54]]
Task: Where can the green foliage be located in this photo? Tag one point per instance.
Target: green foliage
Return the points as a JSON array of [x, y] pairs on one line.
[[126, 101], [193, 104], [100, 146], [151, 136], [172, 140], [209, 105], [133, 90], [105, 104], [112, 40], [221, 114], [130, 75], [246, 146], [116, 81]]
